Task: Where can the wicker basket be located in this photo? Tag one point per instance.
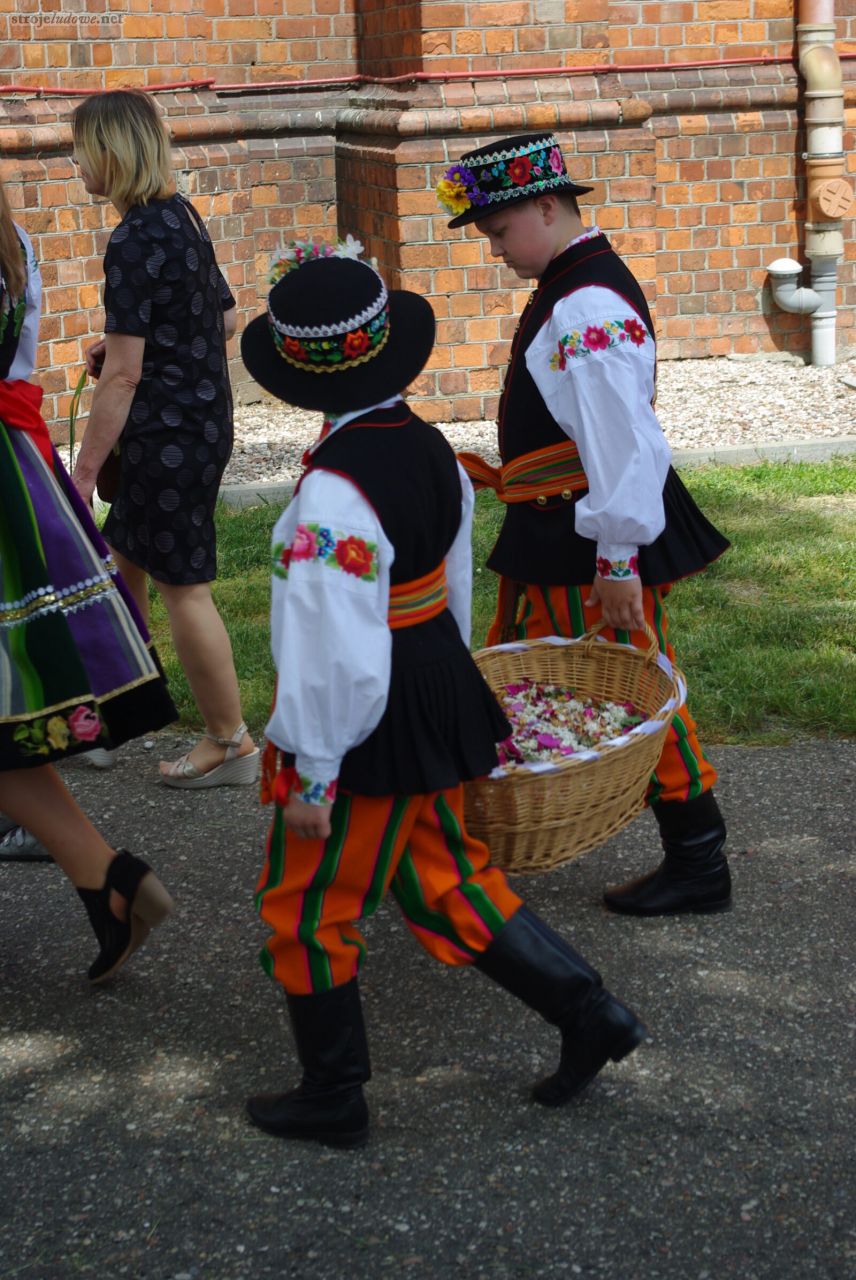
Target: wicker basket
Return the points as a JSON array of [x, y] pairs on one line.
[[532, 821]]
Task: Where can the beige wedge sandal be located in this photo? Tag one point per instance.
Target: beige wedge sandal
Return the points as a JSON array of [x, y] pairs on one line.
[[235, 771]]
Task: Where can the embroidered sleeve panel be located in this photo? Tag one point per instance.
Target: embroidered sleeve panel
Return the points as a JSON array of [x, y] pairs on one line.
[[321, 546], [605, 335]]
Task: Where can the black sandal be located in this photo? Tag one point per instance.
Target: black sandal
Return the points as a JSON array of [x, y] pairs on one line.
[[148, 905]]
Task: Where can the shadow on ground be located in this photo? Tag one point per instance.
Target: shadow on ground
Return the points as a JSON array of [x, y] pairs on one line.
[[723, 1147]]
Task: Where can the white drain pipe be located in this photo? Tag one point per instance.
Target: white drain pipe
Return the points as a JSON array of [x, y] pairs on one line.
[[829, 194]]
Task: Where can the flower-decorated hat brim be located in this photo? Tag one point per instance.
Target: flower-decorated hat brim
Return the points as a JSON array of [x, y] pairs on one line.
[[400, 361], [479, 212]]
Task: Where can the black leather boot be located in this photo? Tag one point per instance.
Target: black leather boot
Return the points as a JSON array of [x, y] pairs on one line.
[[533, 963], [328, 1105], [694, 874]]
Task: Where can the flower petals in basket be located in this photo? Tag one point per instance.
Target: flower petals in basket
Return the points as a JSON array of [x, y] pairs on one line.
[[541, 814]]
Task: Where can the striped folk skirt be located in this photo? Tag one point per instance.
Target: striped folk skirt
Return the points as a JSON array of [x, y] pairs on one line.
[[77, 669]]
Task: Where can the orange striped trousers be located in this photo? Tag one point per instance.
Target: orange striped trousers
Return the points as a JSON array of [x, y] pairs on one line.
[[311, 892], [682, 772]]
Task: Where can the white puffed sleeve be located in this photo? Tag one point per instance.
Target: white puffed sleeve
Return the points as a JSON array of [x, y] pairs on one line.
[[593, 362], [329, 631]]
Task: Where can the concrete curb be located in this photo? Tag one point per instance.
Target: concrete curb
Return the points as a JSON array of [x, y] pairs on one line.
[[278, 493], [746, 455]]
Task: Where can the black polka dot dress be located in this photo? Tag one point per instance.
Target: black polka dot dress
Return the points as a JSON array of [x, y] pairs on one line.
[[163, 284]]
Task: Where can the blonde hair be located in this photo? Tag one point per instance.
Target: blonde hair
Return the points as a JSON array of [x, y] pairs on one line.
[[124, 143], [13, 268]]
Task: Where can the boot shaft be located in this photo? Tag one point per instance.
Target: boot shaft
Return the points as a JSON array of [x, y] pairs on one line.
[[331, 1037], [533, 963]]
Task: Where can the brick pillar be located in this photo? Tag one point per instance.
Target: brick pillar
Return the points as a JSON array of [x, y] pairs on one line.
[[392, 147], [390, 40]]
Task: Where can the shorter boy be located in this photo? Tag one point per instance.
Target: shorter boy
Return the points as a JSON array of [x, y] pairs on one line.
[[380, 712], [597, 523]]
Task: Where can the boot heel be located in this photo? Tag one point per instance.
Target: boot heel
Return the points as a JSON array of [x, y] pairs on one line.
[[630, 1042]]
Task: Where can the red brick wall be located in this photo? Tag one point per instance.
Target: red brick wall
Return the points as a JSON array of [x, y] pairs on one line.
[[163, 41], [254, 189], [697, 173]]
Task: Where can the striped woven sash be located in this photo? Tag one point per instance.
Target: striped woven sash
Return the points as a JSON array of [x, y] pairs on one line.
[[418, 600], [533, 477]]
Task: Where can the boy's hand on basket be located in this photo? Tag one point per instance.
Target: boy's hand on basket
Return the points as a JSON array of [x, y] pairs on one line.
[[620, 602], [311, 821]]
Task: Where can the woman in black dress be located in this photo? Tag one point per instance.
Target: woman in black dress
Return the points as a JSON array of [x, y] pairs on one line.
[[163, 392]]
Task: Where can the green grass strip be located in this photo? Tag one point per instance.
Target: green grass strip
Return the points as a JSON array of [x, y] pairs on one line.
[[765, 635]]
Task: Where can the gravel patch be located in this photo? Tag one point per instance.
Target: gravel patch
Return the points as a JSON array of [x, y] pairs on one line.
[[701, 404]]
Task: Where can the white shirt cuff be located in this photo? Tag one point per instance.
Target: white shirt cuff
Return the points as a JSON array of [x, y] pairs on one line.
[[316, 780], [616, 562]]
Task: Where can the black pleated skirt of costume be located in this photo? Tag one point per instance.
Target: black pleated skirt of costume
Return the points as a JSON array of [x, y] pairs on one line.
[[441, 722], [688, 544], [540, 545]]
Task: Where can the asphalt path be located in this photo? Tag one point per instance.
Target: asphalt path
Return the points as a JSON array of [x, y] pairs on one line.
[[724, 1147]]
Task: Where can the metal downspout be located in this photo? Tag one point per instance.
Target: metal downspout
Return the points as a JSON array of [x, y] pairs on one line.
[[829, 195]]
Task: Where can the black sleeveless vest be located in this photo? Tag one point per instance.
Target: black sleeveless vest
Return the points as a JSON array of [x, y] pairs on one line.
[[538, 542], [407, 471], [441, 721]]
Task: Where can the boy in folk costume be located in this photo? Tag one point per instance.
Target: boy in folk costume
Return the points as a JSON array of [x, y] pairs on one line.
[[380, 713], [597, 523]]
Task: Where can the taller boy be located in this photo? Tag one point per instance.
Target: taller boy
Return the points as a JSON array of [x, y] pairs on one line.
[[597, 523]]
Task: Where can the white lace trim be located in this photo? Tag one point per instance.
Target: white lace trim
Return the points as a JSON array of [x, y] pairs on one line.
[[532, 188], [472, 162]]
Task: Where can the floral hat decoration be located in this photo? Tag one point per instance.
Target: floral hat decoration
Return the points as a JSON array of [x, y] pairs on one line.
[[518, 168], [333, 336]]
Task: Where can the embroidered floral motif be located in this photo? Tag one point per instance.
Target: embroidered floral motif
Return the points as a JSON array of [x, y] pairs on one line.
[[355, 556], [611, 334], [519, 170], [618, 569], [537, 168], [56, 731], [315, 792], [338, 550], [337, 350], [84, 724], [356, 343]]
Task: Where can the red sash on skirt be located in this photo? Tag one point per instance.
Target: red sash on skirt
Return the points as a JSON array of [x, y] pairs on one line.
[[20, 410]]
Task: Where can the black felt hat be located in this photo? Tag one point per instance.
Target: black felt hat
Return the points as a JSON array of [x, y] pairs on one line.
[[503, 173], [334, 338]]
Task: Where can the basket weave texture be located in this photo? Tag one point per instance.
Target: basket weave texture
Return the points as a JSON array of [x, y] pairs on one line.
[[534, 821]]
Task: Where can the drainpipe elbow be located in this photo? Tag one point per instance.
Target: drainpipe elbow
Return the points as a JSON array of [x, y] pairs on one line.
[[784, 274], [821, 68]]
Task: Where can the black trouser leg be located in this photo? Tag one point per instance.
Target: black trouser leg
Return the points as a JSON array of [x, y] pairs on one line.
[[533, 963], [328, 1104], [693, 875]]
